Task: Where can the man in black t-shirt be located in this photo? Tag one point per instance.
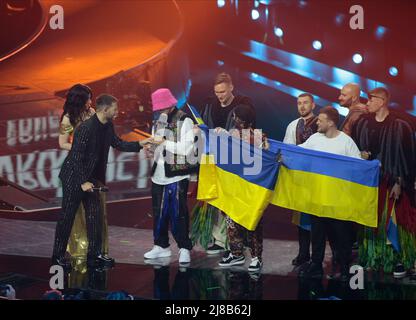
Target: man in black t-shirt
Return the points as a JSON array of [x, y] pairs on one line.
[[217, 113]]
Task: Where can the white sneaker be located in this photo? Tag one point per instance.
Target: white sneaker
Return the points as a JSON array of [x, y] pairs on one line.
[[184, 256], [158, 252], [158, 262]]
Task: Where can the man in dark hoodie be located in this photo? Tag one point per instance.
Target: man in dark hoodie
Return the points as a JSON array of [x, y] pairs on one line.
[[217, 114]]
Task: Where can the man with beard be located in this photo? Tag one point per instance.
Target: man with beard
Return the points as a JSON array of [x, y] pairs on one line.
[[350, 98], [330, 139], [297, 132], [389, 136], [83, 170]]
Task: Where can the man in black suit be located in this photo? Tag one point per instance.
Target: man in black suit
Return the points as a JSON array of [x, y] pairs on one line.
[[83, 169]]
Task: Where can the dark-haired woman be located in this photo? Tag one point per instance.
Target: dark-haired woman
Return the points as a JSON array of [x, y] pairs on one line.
[[77, 108]]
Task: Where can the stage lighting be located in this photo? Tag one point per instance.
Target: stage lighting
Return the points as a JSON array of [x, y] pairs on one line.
[[220, 63], [380, 32], [220, 3], [278, 32], [393, 71], [256, 4], [339, 19], [357, 58], [302, 3], [255, 14], [317, 45]]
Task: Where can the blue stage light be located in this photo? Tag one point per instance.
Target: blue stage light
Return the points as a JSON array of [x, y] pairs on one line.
[[357, 58], [380, 32], [393, 71], [339, 19], [220, 3], [278, 32], [317, 45]]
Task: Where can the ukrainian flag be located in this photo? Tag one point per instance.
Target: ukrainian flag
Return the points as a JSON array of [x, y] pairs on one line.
[[313, 182], [195, 114], [236, 186], [327, 185], [393, 231]]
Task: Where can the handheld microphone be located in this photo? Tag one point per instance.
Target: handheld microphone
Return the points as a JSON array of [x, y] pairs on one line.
[[100, 189], [160, 125]]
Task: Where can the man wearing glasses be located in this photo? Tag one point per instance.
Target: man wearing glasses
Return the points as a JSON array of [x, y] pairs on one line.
[[389, 136]]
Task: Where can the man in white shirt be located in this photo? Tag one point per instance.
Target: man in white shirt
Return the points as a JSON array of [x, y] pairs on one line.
[[297, 132], [170, 179], [330, 139]]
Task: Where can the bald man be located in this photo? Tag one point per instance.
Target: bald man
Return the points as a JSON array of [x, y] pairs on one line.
[[350, 98]]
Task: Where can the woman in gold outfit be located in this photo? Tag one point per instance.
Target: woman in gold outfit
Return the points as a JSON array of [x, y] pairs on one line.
[[77, 108]]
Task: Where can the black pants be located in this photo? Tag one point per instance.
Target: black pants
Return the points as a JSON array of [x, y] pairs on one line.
[[72, 198], [179, 220], [339, 234], [304, 244]]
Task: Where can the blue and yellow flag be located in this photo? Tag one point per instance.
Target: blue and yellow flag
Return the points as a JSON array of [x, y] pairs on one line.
[[313, 182], [195, 114], [238, 183], [393, 231], [327, 185]]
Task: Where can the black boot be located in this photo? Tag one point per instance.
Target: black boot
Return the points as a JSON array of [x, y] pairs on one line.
[[314, 270], [101, 261], [65, 264]]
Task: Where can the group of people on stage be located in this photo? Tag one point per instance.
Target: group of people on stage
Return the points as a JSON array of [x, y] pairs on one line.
[[371, 131]]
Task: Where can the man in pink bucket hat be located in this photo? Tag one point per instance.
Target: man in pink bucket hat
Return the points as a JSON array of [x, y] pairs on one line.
[[170, 177], [163, 99]]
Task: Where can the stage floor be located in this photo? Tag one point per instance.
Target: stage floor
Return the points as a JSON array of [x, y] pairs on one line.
[[25, 250]]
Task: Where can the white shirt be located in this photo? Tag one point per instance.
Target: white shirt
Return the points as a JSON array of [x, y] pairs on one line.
[[290, 136], [182, 147], [342, 144]]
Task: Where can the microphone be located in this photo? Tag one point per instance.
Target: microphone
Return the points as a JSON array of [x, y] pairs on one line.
[[160, 125], [100, 189]]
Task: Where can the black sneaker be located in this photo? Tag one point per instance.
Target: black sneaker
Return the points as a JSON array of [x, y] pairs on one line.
[[314, 270], [215, 249], [100, 262], [399, 271], [65, 264], [255, 265], [106, 259], [299, 261], [232, 261]]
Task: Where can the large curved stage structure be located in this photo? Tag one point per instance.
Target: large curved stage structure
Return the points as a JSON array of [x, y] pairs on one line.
[[125, 48]]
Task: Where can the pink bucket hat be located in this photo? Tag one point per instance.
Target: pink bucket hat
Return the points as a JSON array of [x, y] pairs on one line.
[[163, 99]]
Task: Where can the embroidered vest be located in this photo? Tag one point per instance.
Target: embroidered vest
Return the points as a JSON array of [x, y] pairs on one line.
[[177, 165]]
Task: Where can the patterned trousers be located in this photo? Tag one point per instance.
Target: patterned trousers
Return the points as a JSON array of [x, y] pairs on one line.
[[238, 235]]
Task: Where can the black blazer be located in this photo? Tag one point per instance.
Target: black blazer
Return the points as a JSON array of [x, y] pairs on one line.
[[83, 157]]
